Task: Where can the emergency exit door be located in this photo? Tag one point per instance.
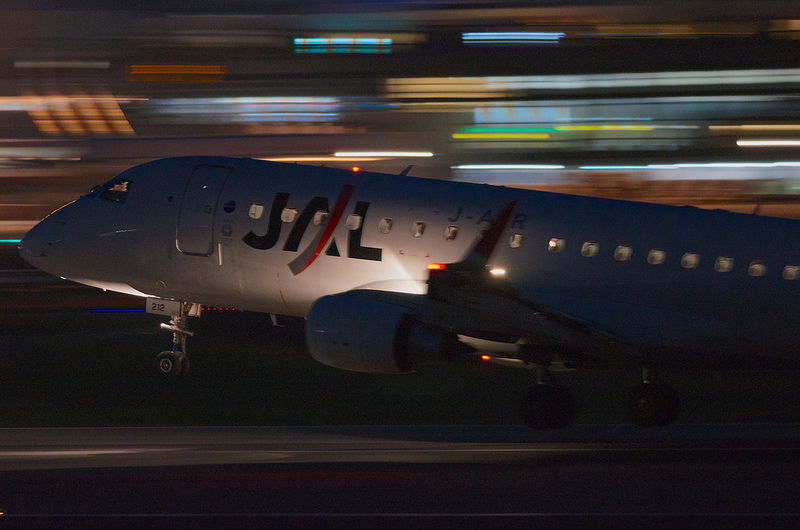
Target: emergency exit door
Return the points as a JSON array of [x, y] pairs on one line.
[[195, 232]]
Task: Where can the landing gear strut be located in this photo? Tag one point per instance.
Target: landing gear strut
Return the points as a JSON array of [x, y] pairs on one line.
[[653, 403], [546, 405], [173, 364]]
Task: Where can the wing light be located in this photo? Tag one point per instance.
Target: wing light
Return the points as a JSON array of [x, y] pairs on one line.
[[486, 358], [498, 272], [355, 169], [437, 266]]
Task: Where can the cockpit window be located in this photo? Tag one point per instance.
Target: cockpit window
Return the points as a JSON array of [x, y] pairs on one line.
[[117, 191]]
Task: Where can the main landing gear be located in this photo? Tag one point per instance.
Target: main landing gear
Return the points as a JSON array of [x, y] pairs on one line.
[[173, 364], [651, 403]]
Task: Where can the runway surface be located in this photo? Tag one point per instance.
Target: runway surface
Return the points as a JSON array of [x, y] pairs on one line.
[[601, 472]]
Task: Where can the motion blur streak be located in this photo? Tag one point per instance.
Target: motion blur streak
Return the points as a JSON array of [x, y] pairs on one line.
[[505, 85], [619, 89]]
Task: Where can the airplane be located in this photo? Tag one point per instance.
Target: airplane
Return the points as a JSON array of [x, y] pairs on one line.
[[394, 272]]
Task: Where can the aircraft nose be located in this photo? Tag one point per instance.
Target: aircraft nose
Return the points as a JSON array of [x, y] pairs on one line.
[[39, 243]]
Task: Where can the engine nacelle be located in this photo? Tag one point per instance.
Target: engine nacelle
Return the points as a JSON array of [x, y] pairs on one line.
[[359, 333]]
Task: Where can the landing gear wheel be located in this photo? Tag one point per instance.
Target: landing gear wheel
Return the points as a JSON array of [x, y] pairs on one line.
[[170, 365], [547, 406], [653, 405]]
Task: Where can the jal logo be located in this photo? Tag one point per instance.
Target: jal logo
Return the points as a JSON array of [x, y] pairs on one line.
[[323, 241]]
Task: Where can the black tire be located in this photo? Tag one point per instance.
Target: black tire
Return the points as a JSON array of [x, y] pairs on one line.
[[653, 405], [547, 407], [169, 365]]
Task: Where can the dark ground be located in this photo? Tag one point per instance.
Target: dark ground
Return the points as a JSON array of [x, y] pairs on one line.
[[77, 368], [64, 365]]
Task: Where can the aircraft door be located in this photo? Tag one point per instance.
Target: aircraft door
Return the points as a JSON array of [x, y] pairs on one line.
[[195, 231]]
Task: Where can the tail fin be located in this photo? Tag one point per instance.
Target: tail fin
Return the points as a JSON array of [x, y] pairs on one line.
[[471, 272]]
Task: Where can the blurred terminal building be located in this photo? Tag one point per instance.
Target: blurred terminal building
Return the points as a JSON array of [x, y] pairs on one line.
[[682, 102]]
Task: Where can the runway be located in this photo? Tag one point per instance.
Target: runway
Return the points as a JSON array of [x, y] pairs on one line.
[[595, 471], [53, 448]]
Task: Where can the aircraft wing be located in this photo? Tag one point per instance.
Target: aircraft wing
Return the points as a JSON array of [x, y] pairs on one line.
[[465, 303]]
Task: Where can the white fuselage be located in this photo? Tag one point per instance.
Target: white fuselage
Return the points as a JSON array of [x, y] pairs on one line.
[[275, 237]]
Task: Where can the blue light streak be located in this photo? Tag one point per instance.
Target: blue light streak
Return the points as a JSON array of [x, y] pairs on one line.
[[511, 37], [369, 45], [116, 310]]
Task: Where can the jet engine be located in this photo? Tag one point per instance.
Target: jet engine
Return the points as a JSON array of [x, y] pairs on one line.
[[355, 331]]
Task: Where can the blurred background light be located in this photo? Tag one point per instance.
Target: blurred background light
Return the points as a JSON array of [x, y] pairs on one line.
[[768, 143], [343, 45], [391, 154], [663, 101], [512, 37]]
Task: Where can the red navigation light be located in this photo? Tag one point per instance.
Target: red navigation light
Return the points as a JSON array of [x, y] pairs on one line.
[[486, 357], [355, 169], [437, 266]]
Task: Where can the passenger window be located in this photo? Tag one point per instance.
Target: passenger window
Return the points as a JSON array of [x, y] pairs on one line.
[[385, 225], [690, 260], [556, 244], [117, 192], [417, 229], [757, 268], [321, 217], [723, 264], [791, 272], [623, 253], [353, 222], [515, 241], [590, 249], [256, 211], [287, 215], [656, 256], [450, 233]]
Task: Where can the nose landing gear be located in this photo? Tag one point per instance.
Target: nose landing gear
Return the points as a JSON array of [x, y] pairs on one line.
[[174, 364]]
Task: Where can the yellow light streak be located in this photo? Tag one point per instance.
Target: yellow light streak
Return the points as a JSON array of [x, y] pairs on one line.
[[500, 136], [604, 128], [175, 69]]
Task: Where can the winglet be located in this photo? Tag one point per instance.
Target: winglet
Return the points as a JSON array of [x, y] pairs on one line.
[[405, 171]]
